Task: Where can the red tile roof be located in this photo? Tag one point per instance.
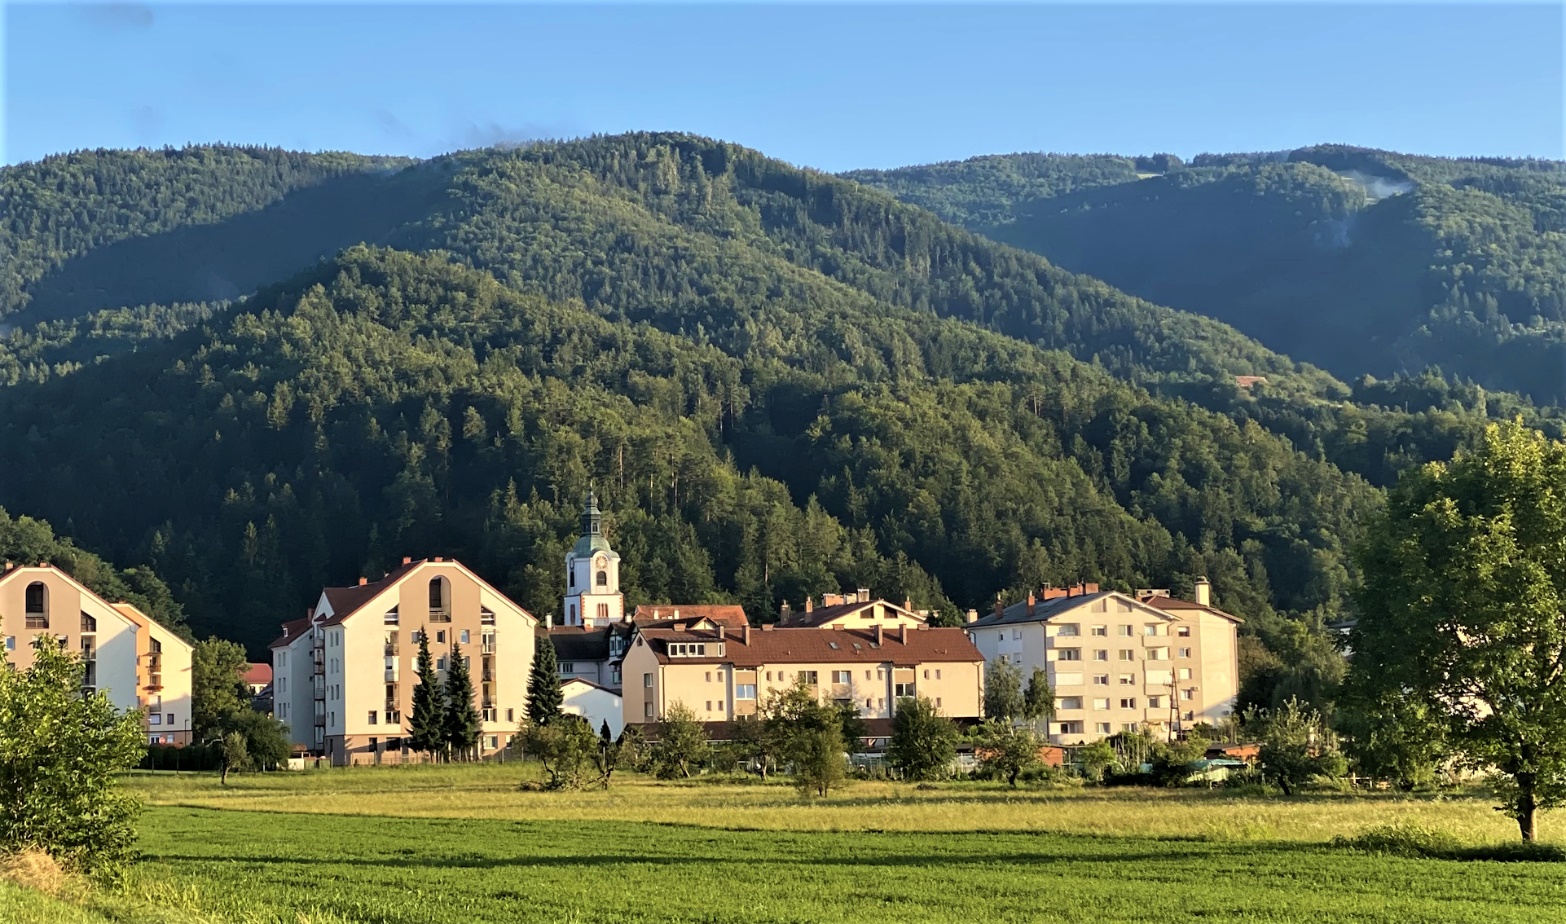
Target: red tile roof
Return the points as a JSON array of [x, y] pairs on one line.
[[1170, 604], [820, 646], [724, 614], [822, 615], [344, 601], [258, 674]]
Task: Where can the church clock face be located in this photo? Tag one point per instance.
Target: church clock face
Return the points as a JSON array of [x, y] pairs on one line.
[[601, 562]]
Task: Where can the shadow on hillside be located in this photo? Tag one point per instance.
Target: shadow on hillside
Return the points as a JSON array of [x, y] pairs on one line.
[[234, 257]]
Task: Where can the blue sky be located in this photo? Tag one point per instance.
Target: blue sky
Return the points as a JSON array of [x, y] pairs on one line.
[[828, 86]]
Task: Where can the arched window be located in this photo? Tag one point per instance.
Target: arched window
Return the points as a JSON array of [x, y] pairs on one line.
[[573, 577], [603, 579], [571, 615], [37, 605], [440, 599]]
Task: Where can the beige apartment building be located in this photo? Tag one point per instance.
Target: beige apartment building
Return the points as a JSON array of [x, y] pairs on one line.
[[343, 676], [722, 672], [134, 661], [856, 610], [1119, 662]]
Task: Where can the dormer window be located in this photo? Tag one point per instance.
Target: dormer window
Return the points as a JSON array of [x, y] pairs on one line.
[[37, 606], [693, 649]]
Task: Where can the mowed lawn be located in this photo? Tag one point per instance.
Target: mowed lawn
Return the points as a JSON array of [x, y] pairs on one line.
[[329, 847]]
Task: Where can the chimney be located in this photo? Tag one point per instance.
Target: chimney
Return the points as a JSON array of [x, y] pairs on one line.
[[810, 604], [999, 606], [745, 634], [1204, 591], [767, 627], [407, 559], [1031, 602], [902, 632], [679, 627], [549, 621], [783, 611], [973, 615], [438, 558], [863, 595], [1055, 593], [363, 580], [880, 633], [1090, 588]]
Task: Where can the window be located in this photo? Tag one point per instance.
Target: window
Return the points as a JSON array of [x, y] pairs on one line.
[[1128, 727], [1016, 635], [603, 612], [571, 615], [848, 676], [1156, 702], [603, 579], [744, 691], [1071, 702], [573, 577], [1128, 702], [1068, 629], [937, 702], [1185, 652], [155, 719], [709, 705], [809, 677], [10, 643], [937, 673], [1124, 631], [391, 618], [1128, 680], [1101, 631], [614, 675], [567, 667], [1150, 629], [1157, 654], [647, 680], [1190, 716], [1127, 654], [440, 663], [1183, 673], [1101, 702], [373, 716], [1071, 728], [926, 673], [439, 597], [464, 637], [901, 690], [1183, 632], [1101, 728], [37, 606], [494, 742], [89, 624], [1188, 695], [867, 673], [1100, 680], [1069, 654], [1101, 654], [647, 711]]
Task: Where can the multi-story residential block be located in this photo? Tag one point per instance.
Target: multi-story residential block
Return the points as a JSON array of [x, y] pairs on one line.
[[721, 672], [134, 661], [343, 676], [1117, 662]]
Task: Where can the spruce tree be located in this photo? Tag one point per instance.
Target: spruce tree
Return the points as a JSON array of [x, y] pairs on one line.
[[543, 684], [462, 720], [429, 704]]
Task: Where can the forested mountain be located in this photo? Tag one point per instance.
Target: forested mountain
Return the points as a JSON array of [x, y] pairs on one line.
[[781, 382], [1358, 261]]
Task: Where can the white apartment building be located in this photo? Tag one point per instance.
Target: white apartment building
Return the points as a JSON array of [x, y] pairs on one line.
[[1118, 663]]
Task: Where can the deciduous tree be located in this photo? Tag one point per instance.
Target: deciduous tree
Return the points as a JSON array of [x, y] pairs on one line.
[[1003, 696], [923, 742]]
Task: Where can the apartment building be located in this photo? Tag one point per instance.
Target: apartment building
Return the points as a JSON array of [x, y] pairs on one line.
[[723, 672], [136, 662], [1119, 662], [343, 676]]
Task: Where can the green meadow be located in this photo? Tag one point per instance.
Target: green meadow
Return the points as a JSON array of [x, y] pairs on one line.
[[443, 845]]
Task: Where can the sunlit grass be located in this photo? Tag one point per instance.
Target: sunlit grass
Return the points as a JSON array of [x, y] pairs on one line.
[[491, 792]]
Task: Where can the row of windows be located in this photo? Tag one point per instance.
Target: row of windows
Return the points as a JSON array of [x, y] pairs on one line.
[[1072, 630]]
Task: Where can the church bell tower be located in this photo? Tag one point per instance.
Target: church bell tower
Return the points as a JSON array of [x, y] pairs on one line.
[[593, 599]]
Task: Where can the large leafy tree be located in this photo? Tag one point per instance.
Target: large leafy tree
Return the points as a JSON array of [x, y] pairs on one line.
[[923, 742], [1003, 695], [544, 698], [426, 731], [1006, 750], [682, 745], [1463, 607], [1038, 700], [1296, 745], [460, 725], [218, 691], [59, 754]]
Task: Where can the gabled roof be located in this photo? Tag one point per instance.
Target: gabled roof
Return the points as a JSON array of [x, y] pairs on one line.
[[129, 611], [17, 571], [574, 643], [345, 601], [582, 680], [1175, 605], [723, 614], [1045, 610], [822, 615], [291, 633], [257, 674], [817, 646]]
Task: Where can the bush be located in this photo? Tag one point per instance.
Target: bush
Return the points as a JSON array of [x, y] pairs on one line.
[[195, 757]]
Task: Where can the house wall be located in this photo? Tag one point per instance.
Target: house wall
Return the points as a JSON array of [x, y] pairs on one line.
[[293, 702], [114, 641], [596, 705], [168, 710]]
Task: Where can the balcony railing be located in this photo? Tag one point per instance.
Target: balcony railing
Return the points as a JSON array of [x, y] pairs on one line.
[[391, 675], [440, 615], [37, 621], [487, 646], [390, 649], [488, 675], [486, 617]]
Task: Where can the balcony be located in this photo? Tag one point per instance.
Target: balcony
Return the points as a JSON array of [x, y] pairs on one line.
[[488, 645], [440, 615], [488, 675], [391, 675], [154, 682], [37, 621], [390, 650], [486, 617]]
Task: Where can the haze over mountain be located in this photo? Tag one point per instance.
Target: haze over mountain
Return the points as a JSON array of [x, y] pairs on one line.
[[1359, 261], [781, 382]]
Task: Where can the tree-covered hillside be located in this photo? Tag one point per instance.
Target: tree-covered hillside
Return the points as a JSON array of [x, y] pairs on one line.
[[782, 382], [1357, 261], [395, 404]]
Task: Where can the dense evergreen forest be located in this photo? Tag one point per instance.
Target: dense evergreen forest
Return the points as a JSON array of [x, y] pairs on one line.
[[781, 382], [1359, 261]]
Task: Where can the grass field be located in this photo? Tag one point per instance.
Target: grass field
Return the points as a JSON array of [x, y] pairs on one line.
[[448, 845]]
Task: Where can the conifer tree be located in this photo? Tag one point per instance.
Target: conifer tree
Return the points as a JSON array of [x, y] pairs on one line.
[[429, 704], [462, 720], [543, 684]]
